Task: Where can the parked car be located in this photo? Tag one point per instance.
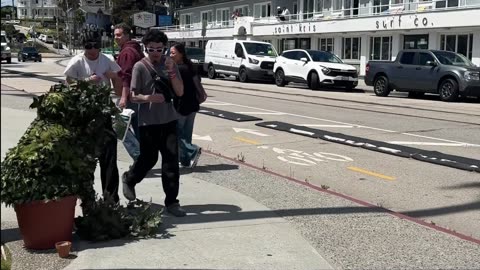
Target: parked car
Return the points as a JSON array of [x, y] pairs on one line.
[[48, 39], [197, 55], [315, 68], [42, 37], [6, 54], [418, 72], [29, 53], [245, 59]]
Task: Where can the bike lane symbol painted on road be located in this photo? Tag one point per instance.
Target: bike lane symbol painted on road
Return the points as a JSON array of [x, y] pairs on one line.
[[302, 158]]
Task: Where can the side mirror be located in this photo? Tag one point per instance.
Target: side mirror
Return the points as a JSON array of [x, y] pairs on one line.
[[431, 63], [304, 59]]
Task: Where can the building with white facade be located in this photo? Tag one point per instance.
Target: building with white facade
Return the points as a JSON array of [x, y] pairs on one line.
[[38, 9], [357, 31]]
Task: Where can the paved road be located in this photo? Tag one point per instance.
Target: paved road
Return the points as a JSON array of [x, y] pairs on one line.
[[440, 195]]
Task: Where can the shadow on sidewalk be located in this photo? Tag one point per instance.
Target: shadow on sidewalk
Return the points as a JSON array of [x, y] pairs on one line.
[[198, 169]]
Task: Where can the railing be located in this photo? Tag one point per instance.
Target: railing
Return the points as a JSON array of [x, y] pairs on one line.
[[198, 26], [372, 11]]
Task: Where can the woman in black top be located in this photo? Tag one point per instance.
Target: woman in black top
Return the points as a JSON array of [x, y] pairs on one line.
[[187, 107]]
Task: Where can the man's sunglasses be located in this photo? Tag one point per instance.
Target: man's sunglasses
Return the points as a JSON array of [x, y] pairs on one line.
[[92, 45], [151, 50]]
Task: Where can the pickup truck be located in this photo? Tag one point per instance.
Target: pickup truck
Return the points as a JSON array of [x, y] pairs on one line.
[[418, 72]]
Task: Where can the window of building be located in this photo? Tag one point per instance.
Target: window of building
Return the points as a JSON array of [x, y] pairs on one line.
[[415, 42], [351, 48], [242, 9], [262, 10], [351, 8], [223, 16], [337, 5], [380, 48], [295, 43], [186, 19], [457, 43], [407, 58], [192, 44], [308, 8], [326, 44], [380, 6], [207, 16], [36, 2]]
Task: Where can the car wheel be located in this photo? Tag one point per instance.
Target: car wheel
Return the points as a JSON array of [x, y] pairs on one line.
[[211, 72], [280, 78], [314, 81], [448, 90], [413, 94], [381, 86], [242, 75]]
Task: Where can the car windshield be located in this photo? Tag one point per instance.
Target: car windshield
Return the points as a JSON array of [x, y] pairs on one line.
[[452, 59], [195, 52], [319, 56], [29, 50], [259, 49]]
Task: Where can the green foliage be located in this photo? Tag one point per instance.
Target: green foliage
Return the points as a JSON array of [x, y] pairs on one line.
[[56, 156], [106, 221], [9, 30]]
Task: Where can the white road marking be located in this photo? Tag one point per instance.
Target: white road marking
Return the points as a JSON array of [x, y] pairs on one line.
[[262, 113], [201, 138], [350, 124], [250, 131], [215, 104], [326, 126], [434, 144]]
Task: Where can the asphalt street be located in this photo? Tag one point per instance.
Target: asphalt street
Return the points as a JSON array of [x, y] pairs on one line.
[[430, 193]]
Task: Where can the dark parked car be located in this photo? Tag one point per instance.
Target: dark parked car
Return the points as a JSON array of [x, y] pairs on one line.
[[197, 55], [418, 72], [29, 53]]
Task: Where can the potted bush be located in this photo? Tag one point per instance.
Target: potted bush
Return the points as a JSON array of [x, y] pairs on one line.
[[54, 162]]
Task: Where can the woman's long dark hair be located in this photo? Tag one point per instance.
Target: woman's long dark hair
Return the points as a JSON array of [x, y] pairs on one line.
[[181, 49]]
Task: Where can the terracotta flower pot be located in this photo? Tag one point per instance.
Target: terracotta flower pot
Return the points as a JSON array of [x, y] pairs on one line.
[[42, 224], [63, 248]]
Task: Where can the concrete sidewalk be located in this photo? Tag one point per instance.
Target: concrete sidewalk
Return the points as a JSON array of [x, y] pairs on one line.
[[216, 234]]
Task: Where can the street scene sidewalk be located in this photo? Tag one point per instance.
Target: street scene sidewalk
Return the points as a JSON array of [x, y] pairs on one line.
[[243, 218], [212, 236]]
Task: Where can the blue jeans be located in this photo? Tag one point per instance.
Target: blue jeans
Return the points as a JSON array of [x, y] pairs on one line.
[[131, 142], [186, 150]]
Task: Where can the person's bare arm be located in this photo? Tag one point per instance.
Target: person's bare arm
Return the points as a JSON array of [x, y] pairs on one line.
[[155, 98], [175, 77], [117, 83]]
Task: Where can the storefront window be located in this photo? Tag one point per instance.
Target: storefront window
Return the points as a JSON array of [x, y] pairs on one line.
[[326, 44], [457, 43], [415, 42], [351, 48], [380, 48], [296, 43]]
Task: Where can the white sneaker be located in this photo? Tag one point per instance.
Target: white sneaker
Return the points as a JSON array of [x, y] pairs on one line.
[[194, 161]]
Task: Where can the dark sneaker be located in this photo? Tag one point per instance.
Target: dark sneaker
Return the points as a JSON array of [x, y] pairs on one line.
[[194, 161], [176, 210], [128, 189]]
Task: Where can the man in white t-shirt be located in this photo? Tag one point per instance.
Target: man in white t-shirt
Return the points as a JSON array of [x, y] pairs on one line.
[[97, 68]]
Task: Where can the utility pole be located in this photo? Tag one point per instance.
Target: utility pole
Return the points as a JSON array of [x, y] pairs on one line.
[[58, 38], [13, 11]]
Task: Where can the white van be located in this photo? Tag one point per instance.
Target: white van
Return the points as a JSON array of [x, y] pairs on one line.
[[245, 59]]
